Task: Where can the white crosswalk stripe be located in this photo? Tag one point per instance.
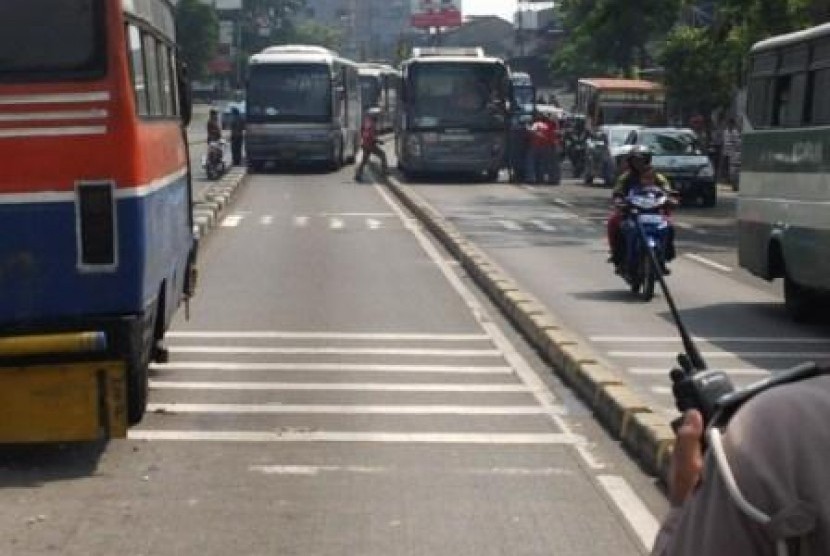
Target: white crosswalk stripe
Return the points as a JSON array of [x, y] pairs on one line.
[[254, 386]]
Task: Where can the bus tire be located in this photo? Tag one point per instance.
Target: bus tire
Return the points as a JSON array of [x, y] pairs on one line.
[[710, 197], [142, 345], [336, 161], [800, 302]]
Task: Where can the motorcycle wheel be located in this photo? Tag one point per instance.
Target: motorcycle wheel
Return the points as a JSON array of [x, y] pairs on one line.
[[647, 291]]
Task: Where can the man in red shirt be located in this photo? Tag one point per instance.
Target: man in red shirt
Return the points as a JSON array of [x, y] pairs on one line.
[[543, 156], [370, 144]]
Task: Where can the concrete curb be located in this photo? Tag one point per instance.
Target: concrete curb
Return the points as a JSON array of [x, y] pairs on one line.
[[216, 198], [643, 431]]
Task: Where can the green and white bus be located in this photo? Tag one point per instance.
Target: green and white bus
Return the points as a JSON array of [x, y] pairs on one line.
[[784, 198]]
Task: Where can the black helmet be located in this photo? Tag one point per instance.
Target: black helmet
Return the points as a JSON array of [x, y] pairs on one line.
[[641, 153]]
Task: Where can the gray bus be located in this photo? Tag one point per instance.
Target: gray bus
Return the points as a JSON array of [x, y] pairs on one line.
[[453, 113], [303, 105], [784, 198]]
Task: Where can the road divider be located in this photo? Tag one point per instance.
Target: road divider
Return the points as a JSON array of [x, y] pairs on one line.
[[643, 430], [208, 210]]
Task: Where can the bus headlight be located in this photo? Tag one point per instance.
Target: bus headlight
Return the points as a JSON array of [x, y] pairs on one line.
[[413, 146], [707, 172]]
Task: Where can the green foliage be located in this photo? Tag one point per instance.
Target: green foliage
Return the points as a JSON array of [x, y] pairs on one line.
[[314, 33], [198, 35], [612, 36], [269, 22], [698, 75]]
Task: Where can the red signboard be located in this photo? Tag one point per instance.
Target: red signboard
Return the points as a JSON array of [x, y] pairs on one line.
[[436, 13]]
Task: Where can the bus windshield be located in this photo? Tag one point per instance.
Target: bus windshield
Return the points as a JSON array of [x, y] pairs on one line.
[[458, 95], [63, 40], [289, 93], [370, 90], [631, 114], [525, 97]]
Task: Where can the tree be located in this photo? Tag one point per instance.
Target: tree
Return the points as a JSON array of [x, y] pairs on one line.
[[310, 32], [612, 35], [198, 35], [269, 22], [698, 75]]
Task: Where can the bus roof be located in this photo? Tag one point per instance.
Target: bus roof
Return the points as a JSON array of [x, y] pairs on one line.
[[375, 69], [299, 57], [792, 38], [622, 84], [424, 51], [454, 59], [299, 49]]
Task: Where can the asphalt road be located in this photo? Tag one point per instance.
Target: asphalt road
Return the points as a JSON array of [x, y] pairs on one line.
[[551, 239], [341, 388]]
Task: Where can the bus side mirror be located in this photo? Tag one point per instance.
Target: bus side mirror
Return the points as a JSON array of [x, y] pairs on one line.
[[185, 95]]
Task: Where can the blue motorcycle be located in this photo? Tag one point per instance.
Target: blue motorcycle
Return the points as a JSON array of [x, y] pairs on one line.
[[646, 231]]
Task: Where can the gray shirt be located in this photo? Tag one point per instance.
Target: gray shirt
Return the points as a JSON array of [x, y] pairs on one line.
[[778, 446]]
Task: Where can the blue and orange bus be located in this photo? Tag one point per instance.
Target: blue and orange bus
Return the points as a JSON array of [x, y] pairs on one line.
[[95, 194]]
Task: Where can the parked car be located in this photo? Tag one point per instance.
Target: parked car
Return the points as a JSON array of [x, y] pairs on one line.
[[678, 156], [605, 147], [227, 116]]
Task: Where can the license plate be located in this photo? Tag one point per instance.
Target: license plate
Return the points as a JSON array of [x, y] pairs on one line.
[[650, 219]]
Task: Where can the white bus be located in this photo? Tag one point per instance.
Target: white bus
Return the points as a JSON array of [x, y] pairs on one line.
[[379, 85], [303, 105], [453, 114], [784, 198]]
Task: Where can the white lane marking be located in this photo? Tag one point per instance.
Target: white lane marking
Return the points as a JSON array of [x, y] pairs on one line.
[[335, 351], [544, 226], [565, 216], [332, 367], [562, 203], [278, 335], [231, 221], [359, 214], [335, 386], [708, 262], [331, 436], [266, 220], [661, 390], [525, 373], [336, 224], [642, 521], [510, 225], [590, 460], [373, 224], [683, 225], [725, 355], [314, 469], [734, 372], [712, 340], [301, 221], [349, 409], [97, 114]]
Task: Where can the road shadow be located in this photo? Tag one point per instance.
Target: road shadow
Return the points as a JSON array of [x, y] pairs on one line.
[[760, 326], [621, 295], [31, 466]]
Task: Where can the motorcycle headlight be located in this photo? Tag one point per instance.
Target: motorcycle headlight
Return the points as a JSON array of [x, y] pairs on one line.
[[706, 171]]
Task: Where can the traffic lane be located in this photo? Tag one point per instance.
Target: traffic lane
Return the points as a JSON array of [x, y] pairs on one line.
[[390, 411], [559, 256]]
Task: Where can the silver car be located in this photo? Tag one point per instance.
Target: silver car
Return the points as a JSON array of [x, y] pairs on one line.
[[605, 147]]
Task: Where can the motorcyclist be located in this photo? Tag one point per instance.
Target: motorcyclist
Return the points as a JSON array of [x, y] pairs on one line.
[[214, 130], [639, 174]]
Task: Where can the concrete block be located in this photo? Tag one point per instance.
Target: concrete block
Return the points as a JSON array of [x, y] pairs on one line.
[[588, 376], [650, 438], [615, 405]]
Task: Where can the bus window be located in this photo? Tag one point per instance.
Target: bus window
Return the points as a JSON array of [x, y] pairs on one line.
[[821, 102], [137, 69], [64, 40]]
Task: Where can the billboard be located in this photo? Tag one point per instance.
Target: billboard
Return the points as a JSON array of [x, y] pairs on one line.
[[436, 13]]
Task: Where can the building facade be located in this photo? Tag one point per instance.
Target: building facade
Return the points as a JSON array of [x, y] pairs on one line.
[[372, 29]]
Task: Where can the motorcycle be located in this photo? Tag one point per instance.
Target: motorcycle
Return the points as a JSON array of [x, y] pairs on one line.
[[576, 151], [214, 160], [646, 233]]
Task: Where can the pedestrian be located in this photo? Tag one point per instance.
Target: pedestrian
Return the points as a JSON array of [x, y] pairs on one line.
[[775, 448], [542, 156], [214, 130], [237, 135], [716, 151], [370, 144], [731, 150]]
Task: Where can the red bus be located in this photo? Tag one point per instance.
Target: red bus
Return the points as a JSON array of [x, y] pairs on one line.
[[95, 192]]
